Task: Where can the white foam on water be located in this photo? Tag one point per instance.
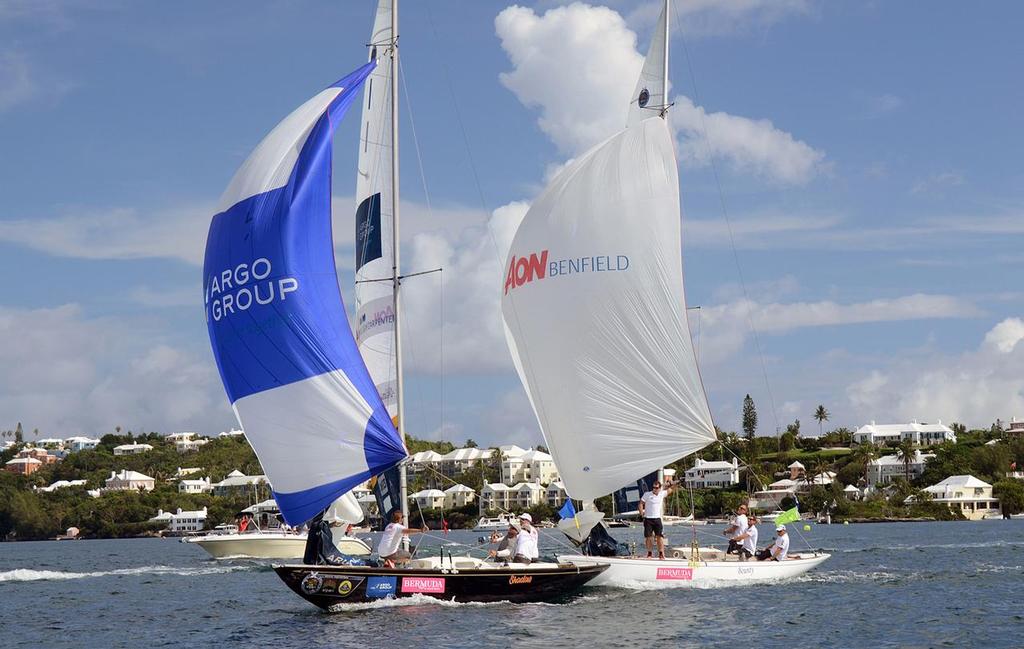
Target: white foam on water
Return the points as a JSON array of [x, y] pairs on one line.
[[28, 574], [413, 600]]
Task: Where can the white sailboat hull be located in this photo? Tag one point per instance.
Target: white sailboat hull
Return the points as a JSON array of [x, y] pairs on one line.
[[269, 545], [637, 572]]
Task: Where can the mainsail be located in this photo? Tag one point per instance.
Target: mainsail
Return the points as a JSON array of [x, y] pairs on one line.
[[375, 314], [595, 314], [277, 323]]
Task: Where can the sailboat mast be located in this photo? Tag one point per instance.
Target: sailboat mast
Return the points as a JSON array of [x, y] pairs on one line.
[[664, 80], [395, 277]]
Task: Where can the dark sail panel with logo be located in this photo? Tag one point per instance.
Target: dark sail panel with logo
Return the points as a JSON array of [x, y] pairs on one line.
[[368, 245], [387, 490], [626, 499]]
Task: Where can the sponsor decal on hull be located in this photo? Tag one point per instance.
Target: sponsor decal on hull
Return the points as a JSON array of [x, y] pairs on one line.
[[422, 584], [380, 587], [675, 573]]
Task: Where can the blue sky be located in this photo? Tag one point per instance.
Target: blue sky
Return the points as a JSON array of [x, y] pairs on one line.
[[868, 154]]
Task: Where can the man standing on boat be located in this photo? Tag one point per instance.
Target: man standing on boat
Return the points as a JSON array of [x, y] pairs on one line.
[[736, 530], [390, 547], [651, 506], [748, 540]]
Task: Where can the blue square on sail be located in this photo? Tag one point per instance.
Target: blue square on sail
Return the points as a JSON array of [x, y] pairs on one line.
[[368, 244], [379, 587]]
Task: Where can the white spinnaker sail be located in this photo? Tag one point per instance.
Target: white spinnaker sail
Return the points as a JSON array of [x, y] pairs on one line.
[[650, 97], [595, 316], [374, 326]]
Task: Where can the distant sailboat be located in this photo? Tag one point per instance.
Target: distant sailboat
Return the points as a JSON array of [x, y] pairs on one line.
[[595, 317], [291, 366]]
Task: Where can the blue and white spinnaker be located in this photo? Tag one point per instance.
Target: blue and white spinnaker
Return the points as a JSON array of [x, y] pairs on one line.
[[277, 322]]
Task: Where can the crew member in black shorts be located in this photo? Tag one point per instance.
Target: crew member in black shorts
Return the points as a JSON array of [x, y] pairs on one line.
[[651, 505]]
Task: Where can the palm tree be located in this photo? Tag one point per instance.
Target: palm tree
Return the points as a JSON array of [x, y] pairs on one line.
[[865, 453], [821, 415], [906, 451]]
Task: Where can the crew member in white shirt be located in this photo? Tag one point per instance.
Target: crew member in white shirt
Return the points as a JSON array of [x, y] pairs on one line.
[[780, 549], [748, 540], [526, 550], [389, 549], [651, 506], [736, 529]]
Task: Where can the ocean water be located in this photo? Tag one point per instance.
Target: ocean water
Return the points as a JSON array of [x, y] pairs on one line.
[[887, 585]]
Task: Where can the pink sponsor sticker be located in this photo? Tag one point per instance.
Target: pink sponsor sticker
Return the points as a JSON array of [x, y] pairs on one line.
[[675, 573], [423, 584]]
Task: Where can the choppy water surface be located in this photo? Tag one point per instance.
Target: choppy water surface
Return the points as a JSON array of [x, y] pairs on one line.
[[897, 584]]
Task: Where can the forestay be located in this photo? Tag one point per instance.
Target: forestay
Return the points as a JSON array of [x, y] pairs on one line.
[[277, 322], [375, 314], [595, 316]]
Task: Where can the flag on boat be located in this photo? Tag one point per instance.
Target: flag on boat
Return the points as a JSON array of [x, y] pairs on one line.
[[277, 323], [788, 516], [567, 510]]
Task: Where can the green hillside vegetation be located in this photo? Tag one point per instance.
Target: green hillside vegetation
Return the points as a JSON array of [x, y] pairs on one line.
[[26, 514]]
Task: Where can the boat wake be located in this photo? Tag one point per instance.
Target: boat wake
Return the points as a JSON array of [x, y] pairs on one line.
[[27, 574], [426, 600]]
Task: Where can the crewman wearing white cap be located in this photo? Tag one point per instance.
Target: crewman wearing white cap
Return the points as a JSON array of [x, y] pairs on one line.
[[526, 544], [779, 549]]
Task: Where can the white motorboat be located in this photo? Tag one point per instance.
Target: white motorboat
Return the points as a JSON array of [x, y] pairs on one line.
[[486, 524], [626, 572], [269, 544]]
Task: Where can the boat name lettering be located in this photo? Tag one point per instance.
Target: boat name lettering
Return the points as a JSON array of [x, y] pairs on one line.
[[520, 579], [745, 571], [242, 286], [422, 584], [675, 573]]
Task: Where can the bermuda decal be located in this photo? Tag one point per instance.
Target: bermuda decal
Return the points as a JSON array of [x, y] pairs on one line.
[[422, 584], [526, 269], [675, 573]]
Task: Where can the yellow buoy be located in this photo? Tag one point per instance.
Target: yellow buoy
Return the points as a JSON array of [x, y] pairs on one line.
[[807, 528]]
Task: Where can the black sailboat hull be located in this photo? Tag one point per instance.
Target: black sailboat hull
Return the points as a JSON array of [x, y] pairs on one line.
[[328, 586]]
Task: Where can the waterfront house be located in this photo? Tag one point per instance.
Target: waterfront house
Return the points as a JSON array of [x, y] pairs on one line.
[[237, 482], [200, 486], [458, 496], [527, 466], [851, 492], [23, 465], [556, 494], [885, 469], [893, 434], [705, 474], [129, 481], [965, 493], [772, 497], [132, 449], [503, 497], [428, 499], [182, 521]]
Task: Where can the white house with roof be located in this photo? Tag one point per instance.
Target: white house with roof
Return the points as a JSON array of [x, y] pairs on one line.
[[187, 471], [891, 434], [80, 443], [49, 443], [62, 484], [132, 449], [1015, 428], [885, 469], [463, 459], [181, 521], [129, 481], [424, 461], [968, 495], [458, 496], [796, 470], [428, 499], [181, 437], [188, 445], [234, 432], [238, 482], [705, 474], [772, 497], [556, 494], [851, 492], [200, 486], [529, 466], [503, 497]]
